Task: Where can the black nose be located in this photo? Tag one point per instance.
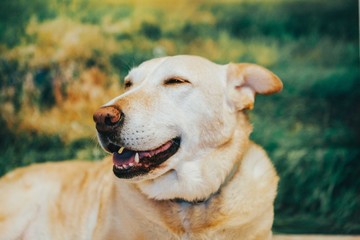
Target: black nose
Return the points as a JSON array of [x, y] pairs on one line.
[[108, 118]]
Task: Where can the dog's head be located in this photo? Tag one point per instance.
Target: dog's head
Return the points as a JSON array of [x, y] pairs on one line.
[[170, 130]]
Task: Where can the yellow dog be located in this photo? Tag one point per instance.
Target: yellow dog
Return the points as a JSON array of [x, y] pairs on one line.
[[182, 164]]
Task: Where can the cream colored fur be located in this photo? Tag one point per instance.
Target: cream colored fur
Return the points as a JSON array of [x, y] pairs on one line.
[[219, 184]]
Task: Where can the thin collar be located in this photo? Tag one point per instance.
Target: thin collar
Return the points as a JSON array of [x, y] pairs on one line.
[[228, 178]]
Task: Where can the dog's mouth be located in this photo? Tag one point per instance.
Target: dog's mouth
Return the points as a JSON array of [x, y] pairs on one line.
[[129, 163]]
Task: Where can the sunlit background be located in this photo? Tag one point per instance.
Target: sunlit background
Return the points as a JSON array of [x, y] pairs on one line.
[[61, 59]]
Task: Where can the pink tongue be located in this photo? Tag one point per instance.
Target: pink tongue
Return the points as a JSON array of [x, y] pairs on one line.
[[126, 157]]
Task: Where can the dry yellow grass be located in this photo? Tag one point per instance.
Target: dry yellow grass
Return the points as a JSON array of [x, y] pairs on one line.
[[61, 49], [71, 117]]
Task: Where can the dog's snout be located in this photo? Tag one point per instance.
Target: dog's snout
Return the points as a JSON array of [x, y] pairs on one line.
[[108, 118]]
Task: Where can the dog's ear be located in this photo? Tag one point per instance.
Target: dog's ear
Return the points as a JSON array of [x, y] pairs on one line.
[[245, 80]]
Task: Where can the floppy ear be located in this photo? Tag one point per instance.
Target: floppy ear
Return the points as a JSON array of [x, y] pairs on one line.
[[245, 80]]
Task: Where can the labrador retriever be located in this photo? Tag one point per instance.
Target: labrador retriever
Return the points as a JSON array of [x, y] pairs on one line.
[[182, 164]]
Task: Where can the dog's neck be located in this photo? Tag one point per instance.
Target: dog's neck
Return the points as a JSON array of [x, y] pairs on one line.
[[228, 178]]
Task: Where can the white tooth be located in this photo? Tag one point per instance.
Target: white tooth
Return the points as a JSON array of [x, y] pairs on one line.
[[121, 150], [137, 159], [131, 164]]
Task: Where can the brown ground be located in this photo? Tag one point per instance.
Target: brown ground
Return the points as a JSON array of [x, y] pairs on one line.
[[314, 237]]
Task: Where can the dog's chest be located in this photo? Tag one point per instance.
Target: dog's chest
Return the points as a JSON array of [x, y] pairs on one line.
[[185, 218]]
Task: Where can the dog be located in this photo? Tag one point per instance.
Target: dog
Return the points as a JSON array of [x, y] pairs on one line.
[[182, 164]]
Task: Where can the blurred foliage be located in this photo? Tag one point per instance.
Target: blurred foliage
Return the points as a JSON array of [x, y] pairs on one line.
[[60, 60]]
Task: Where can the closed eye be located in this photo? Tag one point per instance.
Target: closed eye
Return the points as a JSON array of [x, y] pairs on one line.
[[128, 84], [175, 81]]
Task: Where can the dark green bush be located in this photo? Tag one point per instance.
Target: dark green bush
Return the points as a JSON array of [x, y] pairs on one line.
[[150, 30]]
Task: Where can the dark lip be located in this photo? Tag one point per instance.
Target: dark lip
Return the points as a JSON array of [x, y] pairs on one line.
[[147, 163]]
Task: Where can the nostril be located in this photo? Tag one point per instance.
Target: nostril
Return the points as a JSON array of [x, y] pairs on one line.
[[107, 118], [111, 120]]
